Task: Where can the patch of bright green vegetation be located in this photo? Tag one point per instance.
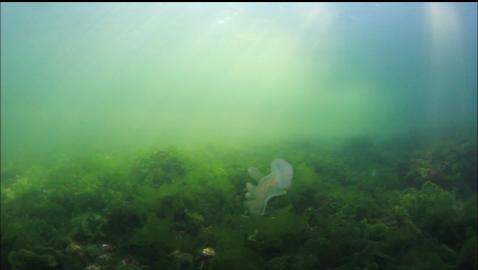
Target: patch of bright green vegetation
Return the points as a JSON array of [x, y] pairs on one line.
[[360, 205]]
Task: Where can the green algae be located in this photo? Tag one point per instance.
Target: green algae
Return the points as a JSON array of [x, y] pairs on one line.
[[98, 213]]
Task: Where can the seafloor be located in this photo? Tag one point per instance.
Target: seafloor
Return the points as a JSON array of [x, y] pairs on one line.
[[403, 203]]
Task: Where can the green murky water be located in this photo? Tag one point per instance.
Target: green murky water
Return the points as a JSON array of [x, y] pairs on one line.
[[129, 133]]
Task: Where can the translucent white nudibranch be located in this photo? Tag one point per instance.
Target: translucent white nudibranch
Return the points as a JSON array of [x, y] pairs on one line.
[[269, 186]]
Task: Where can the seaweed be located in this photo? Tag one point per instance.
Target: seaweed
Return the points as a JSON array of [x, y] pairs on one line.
[[159, 167], [412, 207]]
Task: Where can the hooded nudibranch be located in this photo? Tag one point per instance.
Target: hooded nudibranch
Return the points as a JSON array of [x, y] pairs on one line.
[[269, 186]]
